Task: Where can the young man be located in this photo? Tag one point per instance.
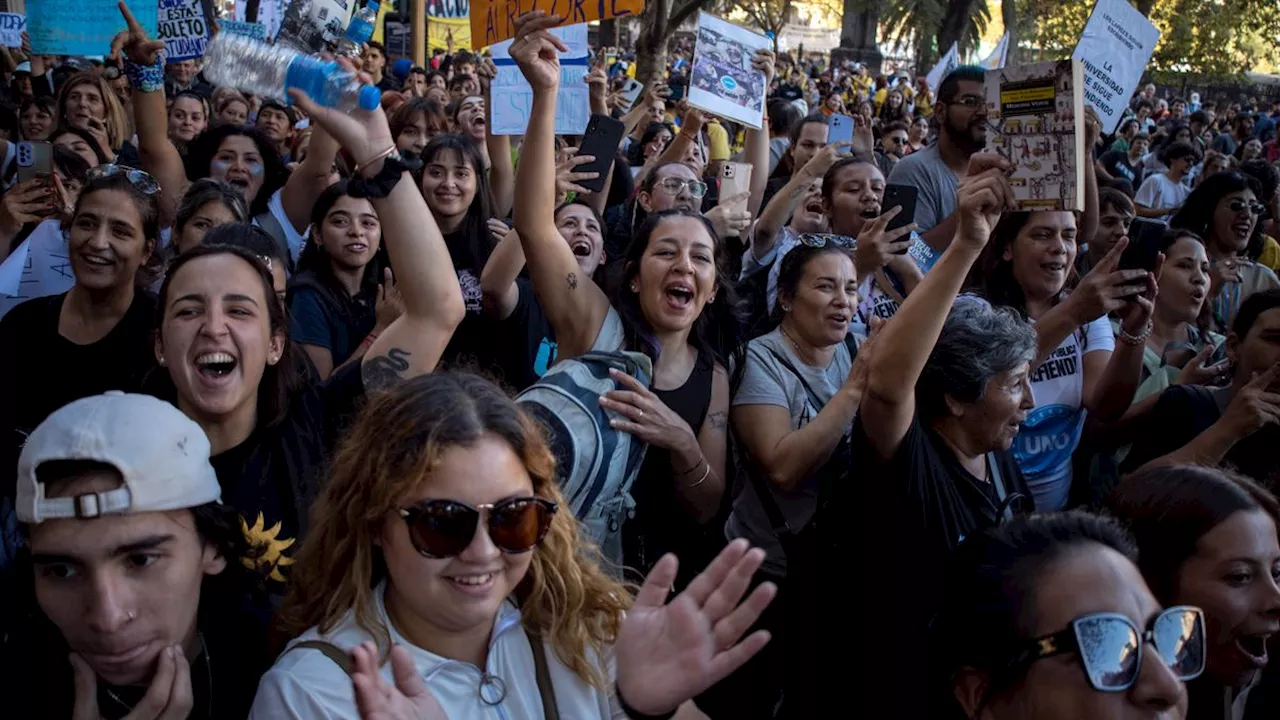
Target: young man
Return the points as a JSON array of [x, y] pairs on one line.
[[277, 122], [130, 600], [1163, 193], [1241, 131], [1115, 213], [1128, 164]]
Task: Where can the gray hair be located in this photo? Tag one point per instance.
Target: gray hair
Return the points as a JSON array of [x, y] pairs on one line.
[[205, 191], [978, 342]]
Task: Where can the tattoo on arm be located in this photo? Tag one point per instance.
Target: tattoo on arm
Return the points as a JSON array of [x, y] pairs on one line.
[[718, 420], [572, 279], [382, 371]]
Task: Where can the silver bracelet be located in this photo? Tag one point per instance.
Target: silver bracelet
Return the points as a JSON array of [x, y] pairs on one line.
[[705, 474], [1135, 340]]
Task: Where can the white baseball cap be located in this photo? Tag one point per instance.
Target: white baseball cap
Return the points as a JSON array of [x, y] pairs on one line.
[[162, 455]]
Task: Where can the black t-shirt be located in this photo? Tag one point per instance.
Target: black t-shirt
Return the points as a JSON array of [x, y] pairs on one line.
[[914, 511], [1184, 411], [40, 370], [272, 478], [530, 346], [474, 345], [1117, 163]]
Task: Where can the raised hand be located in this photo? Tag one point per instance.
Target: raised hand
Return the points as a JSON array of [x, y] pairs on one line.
[[364, 133], [1256, 404], [981, 198], [536, 51], [822, 161], [29, 201], [765, 62], [669, 652], [1198, 370], [168, 697], [1136, 315], [567, 177], [133, 43], [1106, 289], [877, 244], [727, 221], [390, 304], [376, 699]]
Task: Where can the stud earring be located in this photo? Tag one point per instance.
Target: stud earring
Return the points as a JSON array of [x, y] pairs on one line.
[[786, 308], [161, 361]]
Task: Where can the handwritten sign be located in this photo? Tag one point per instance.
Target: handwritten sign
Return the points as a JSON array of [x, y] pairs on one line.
[[253, 30], [512, 97], [493, 21], [83, 27], [181, 25], [1116, 44], [39, 267], [12, 25]]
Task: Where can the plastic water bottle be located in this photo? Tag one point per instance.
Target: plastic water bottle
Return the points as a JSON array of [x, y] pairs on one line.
[[359, 30], [271, 70]]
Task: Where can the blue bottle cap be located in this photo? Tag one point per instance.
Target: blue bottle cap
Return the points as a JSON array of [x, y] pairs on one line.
[[370, 97]]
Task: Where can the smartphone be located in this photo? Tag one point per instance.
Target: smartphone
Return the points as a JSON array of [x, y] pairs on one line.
[[1145, 239], [735, 179], [901, 196], [35, 159], [839, 129], [601, 142], [631, 92]]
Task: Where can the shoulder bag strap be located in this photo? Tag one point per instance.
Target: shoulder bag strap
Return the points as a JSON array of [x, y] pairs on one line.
[[550, 710], [1002, 492], [331, 651]]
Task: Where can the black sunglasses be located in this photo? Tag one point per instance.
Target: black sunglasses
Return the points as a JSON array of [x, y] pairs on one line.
[[1109, 646], [444, 528]]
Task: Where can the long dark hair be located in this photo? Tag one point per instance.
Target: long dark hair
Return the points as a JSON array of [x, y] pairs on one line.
[[315, 268], [474, 226], [989, 599], [203, 149], [1198, 211], [280, 381], [718, 329]]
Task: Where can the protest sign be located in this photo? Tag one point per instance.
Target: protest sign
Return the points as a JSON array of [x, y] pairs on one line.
[[441, 30], [723, 80], [1116, 44], [83, 27], [181, 25], [312, 26], [40, 266], [493, 21], [511, 97], [11, 27], [254, 30], [945, 65]]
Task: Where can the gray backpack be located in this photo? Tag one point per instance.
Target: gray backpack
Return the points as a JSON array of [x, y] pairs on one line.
[[595, 464]]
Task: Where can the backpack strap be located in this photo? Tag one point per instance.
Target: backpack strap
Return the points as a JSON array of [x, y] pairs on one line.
[[550, 710], [331, 651]]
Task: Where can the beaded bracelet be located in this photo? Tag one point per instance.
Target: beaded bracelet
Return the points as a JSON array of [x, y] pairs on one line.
[[145, 78], [1135, 340]]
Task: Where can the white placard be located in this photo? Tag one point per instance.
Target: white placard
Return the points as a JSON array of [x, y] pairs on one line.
[[39, 267], [723, 81], [1116, 44], [12, 26], [511, 97]]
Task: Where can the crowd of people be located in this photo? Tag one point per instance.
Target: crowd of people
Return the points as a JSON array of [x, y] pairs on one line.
[[311, 414]]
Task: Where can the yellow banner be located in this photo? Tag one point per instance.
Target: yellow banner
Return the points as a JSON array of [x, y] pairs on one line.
[[439, 30], [383, 9], [493, 21]]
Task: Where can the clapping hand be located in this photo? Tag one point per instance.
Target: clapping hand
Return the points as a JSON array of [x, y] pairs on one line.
[[668, 652]]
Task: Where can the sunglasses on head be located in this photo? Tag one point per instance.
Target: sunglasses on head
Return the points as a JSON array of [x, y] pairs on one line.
[[444, 528], [141, 181], [1110, 647], [821, 240]]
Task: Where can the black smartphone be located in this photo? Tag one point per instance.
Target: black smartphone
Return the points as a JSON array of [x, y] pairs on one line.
[[600, 141], [1146, 236], [901, 196]]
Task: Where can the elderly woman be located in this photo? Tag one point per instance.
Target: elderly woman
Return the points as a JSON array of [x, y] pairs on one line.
[[946, 392]]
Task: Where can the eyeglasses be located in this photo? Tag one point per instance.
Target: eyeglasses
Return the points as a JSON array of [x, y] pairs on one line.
[[969, 101], [1254, 208], [444, 528], [1110, 646], [821, 240], [674, 186], [141, 181]]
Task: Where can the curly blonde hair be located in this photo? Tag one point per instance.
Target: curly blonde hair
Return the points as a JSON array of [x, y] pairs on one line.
[[385, 457]]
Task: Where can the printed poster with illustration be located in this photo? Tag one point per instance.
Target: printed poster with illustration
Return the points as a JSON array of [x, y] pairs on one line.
[[1036, 118], [313, 26], [723, 82]]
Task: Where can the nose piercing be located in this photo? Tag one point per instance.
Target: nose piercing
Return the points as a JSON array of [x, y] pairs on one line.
[[131, 615]]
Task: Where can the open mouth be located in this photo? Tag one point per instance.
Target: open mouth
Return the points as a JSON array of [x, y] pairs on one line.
[[97, 260], [238, 181], [477, 584], [355, 248], [681, 296], [1254, 647], [1054, 267], [215, 364], [581, 248], [813, 206], [1242, 228]]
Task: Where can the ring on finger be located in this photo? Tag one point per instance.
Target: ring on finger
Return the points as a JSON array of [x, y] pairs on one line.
[[639, 413]]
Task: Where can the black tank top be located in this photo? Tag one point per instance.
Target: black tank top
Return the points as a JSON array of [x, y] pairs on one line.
[[661, 523]]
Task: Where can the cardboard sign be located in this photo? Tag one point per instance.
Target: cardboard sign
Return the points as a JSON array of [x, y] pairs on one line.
[[181, 25], [512, 97], [493, 21], [723, 80], [1116, 44], [12, 26], [253, 30], [83, 27]]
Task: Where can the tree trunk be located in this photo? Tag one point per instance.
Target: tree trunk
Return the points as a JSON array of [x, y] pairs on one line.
[[658, 21], [1145, 6], [860, 21], [1009, 14], [954, 24]]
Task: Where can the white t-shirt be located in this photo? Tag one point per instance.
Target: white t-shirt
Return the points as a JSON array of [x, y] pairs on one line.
[[306, 685], [1159, 192], [1051, 432]]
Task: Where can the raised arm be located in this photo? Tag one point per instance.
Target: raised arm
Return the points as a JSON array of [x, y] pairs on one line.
[[757, 147], [502, 173], [908, 338], [425, 277], [151, 116], [309, 179], [784, 202], [575, 306]]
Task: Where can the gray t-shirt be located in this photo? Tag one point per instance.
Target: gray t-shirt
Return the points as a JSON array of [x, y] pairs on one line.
[[925, 171], [765, 381]]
